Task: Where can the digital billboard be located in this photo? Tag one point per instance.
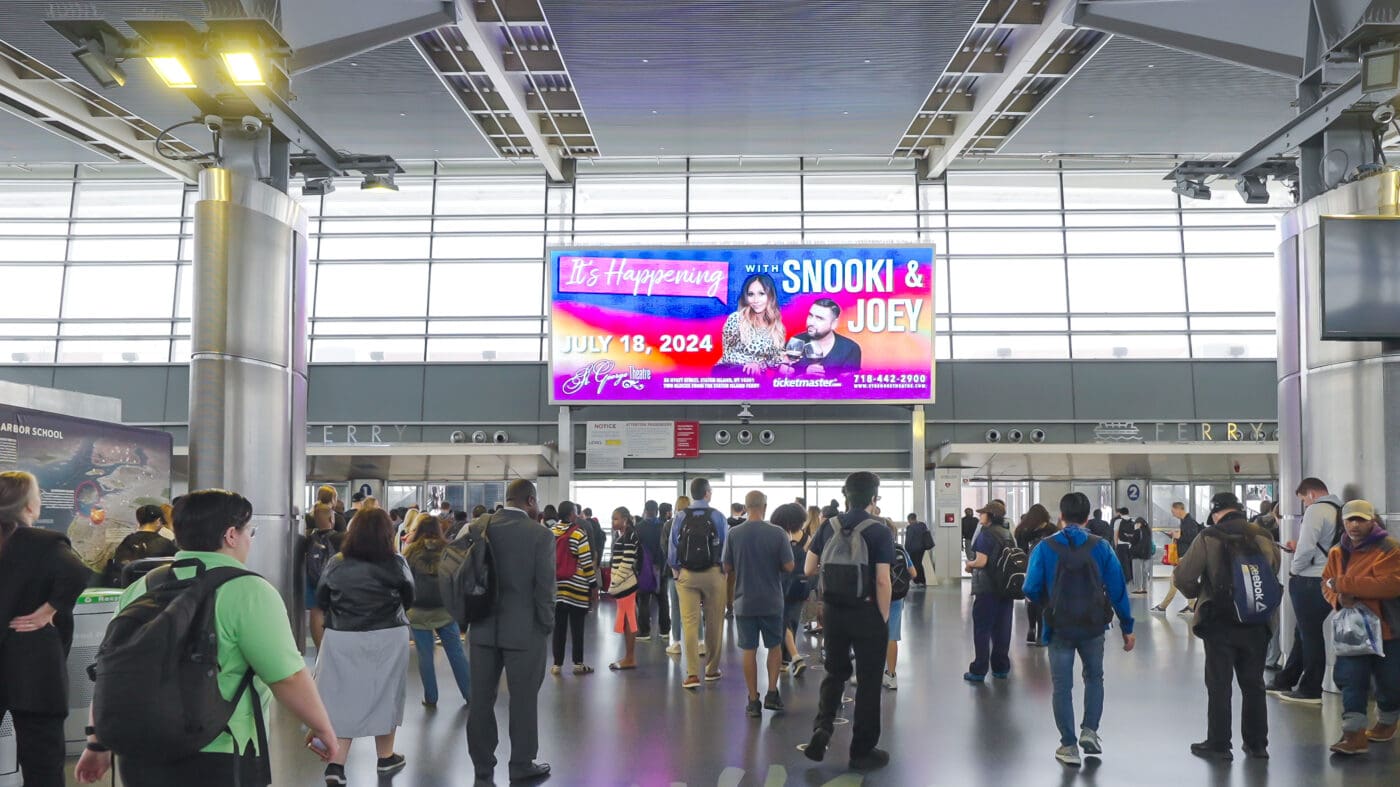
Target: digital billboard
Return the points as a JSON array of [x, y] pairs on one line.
[[741, 324]]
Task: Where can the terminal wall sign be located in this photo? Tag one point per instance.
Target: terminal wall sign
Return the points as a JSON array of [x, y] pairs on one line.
[[608, 443], [1183, 432]]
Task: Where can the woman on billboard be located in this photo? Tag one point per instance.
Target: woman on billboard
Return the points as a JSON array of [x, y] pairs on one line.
[[753, 337]]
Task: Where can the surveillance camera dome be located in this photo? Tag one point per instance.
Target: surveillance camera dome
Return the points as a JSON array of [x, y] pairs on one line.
[[251, 124], [745, 437], [1014, 436], [479, 436], [458, 436], [767, 437], [722, 437], [1383, 114], [500, 437], [993, 436], [214, 123], [1038, 435]]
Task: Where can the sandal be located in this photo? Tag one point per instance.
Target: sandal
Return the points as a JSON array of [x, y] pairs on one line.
[[582, 669], [616, 667]]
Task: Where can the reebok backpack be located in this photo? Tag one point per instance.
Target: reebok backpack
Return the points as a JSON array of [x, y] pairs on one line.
[[1253, 592], [467, 576], [156, 695], [319, 551], [845, 564], [565, 561], [698, 544], [900, 576], [1009, 570], [1079, 602]]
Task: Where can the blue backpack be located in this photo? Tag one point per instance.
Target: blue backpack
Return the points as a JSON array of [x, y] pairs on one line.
[[1079, 604], [1254, 591]]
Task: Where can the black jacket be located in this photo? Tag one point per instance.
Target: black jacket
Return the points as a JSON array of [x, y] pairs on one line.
[[1101, 529], [1190, 528], [37, 566], [358, 595]]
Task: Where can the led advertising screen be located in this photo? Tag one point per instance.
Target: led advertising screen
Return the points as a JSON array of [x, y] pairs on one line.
[[742, 324]]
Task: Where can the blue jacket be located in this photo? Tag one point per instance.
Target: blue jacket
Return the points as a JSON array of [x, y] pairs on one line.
[[1040, 575], [721, 528]]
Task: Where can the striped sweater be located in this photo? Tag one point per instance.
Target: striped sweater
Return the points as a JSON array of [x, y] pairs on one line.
[[576, 591]]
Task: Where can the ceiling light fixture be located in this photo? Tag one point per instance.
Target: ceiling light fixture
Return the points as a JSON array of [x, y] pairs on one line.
[[1191, 189], [1253, 189], [317, 187], [100, 49], [172, 72], [103, 68], [243, 68], [378, 182]]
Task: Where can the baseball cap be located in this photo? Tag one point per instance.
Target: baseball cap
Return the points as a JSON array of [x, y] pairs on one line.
[[1224, 500], [995, 508], [145, 515], [1358, 509]]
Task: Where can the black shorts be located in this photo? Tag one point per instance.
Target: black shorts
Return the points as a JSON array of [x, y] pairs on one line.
[[203, 769]]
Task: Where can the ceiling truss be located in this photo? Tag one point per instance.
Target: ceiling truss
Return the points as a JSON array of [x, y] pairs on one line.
[[1015, 57]]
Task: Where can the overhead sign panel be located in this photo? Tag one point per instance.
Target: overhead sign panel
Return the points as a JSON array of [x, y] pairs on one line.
[[741, 324]]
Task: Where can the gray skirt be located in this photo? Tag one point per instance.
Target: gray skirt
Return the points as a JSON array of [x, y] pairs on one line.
[[362, 677]]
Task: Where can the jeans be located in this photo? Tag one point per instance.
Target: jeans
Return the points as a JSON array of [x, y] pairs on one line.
[[991, 633], [568, 616], [1090, 652], [1307, 660], [1354, 675], [917, 557], [861, 630], [1236, 652], [645, 601], [451, 638], [1142, 574]]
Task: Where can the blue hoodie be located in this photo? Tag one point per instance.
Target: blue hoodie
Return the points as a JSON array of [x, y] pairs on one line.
[[1040, 575]]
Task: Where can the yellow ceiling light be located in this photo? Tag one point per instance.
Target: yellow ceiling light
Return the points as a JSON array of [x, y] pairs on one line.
[[243, 68], [172, 72]]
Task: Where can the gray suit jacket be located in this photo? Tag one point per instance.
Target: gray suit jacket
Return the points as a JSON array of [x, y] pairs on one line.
[[524, 554]]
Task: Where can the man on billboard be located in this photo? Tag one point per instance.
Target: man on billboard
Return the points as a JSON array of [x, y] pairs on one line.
[[821, 351]]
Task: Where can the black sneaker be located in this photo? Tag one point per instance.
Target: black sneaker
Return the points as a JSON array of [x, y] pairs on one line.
[[754, 708], [1257, 752], [876, 758], [388, 766], [772, 701], [816, 747], [1209, 751], [335, 775]]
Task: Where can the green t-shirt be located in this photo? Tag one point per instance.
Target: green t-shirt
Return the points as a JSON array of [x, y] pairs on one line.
[[253, 630]]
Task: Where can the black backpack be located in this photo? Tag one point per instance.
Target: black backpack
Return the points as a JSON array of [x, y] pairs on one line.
[[900, 577], [319, 551], [1008, 569], [467, 576], [1079, 603], [698, 544], [136, 546], [156, 695]]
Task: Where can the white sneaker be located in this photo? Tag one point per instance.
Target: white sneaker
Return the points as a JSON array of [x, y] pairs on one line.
[[1089, 741], [889, 682], [1069, 755], [797, 667], [674, 649]]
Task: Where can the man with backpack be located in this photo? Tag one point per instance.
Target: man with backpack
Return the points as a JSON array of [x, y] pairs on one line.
[[852, 555], [1300, 681], [513, 638], [649, 531], [918, 541], [1233, 569], [1077, 578], [146, 542], [995, 588], [696, 550], [171, 720]]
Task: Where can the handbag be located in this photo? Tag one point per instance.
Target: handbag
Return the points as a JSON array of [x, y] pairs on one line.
[[623, 579]]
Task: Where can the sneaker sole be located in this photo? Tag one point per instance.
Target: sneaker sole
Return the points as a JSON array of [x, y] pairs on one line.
[[1316, 703], [392, 769], [690, 686], [1072, 762], [1386, 739], [1349, 752], [335, 781], [816, 748]]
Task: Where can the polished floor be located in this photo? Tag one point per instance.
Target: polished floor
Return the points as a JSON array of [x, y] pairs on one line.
[[640, 728]]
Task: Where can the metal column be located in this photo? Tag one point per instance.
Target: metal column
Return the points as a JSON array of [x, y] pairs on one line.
[[566, 453], [248, 363]]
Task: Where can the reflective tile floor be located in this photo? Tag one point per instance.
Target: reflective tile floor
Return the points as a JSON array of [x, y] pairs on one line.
[[640, 728]]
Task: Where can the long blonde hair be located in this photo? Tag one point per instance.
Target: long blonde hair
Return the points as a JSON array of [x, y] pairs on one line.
[[770, 321], [682, 503], [814, 520], [15, 488]]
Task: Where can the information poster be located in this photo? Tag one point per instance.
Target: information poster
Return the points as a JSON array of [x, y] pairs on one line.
[[750, 324], [608, 443], [93, 475]]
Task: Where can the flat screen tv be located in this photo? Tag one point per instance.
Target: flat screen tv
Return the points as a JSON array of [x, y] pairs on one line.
[[1361, 278]]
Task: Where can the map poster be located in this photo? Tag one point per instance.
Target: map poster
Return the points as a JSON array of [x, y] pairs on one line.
[[92, 475]]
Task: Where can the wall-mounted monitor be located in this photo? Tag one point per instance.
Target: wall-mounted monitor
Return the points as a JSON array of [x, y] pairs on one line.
[[1361, 278], [709, 325]]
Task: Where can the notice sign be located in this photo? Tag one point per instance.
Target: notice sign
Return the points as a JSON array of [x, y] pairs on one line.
[[610, 442], [741, 324]]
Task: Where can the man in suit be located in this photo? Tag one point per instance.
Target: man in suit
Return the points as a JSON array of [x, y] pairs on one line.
[[514, 639]]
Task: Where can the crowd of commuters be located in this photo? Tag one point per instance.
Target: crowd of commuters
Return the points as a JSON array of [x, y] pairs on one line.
[[373, 581]]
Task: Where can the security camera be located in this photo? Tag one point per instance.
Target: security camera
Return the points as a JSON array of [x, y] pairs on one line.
[[458, 436], [1037, 435], [1014, 436], [993, 436], [250, 124], [214, 123], [722, 437], [478, 436], [745, 437], [745, 414], [500, 437], [1383, 114], [767, 437]]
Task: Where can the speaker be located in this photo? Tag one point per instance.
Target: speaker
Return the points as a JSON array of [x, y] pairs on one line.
[[722, 437], [1014, 436], [500, 437], [745, 437], [1037, 435], [767, 437], [458, 437], [993, 436]]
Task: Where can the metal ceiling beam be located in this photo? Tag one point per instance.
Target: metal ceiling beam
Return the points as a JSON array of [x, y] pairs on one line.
[[52, 100], [482, 39], [323, 53], [1026, 48]]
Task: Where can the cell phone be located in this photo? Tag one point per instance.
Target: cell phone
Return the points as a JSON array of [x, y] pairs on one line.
[[318, 745]]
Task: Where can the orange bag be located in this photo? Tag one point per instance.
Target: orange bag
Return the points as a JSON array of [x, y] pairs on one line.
[[1169, 556]]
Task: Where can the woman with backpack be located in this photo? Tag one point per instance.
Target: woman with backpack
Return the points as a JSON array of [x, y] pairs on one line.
[[428, 617], [624, 568], [575, 579], [40, 580], [1143, 548], [1034, 526], [362, 669], [321, 544]]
